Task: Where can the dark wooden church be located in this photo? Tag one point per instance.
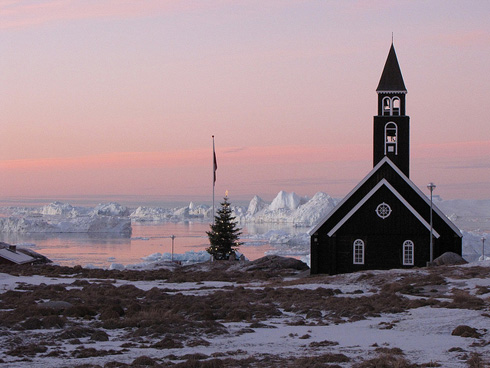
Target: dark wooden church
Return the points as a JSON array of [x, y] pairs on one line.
[[384, 222]]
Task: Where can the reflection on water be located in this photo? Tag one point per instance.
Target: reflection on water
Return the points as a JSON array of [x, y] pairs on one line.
[[102, 249]]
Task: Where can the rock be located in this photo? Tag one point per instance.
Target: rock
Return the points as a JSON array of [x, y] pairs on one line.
[[449, 259], [55, 304], [274, 262]]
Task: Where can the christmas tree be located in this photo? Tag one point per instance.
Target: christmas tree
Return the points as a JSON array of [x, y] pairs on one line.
[[224, 234]]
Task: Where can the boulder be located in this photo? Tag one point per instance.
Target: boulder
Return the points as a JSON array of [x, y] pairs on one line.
[[449, 259], [274, 262]]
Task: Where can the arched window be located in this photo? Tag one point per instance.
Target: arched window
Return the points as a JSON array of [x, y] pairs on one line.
[[391, 141], [408, 253], [358, 251], [395, 106], [386, 106]]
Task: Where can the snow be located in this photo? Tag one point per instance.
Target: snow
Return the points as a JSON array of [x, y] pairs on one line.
[[187, 257], [167, 260], [423, 334]]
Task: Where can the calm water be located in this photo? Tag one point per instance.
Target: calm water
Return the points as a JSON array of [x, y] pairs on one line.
[[148, 238]]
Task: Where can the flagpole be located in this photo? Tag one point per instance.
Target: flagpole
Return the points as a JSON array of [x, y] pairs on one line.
[[215, 166]]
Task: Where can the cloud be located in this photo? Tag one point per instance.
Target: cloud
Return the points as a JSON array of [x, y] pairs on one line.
[[450, 155], [231, 156], [125, 160]]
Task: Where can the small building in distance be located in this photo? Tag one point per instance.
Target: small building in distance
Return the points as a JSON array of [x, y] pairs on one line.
[[384, 222], [10, 254]]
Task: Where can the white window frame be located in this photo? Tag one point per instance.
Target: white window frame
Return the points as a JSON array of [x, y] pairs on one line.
[[391, 126], [408, 253], [387, 106], [396, 110], [358, 251], [383, 206]]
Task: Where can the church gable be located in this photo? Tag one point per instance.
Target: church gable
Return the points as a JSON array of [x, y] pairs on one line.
[[392, 175], [382, 209]]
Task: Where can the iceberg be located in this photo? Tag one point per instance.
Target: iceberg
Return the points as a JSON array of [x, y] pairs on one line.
[[60, 217], [197, 212], [285, 208], [288, 208], [110, 209], [256, 205], [284, 200], [58, 208]]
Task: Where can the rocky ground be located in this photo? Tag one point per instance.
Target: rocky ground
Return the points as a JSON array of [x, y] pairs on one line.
[[265, 313]]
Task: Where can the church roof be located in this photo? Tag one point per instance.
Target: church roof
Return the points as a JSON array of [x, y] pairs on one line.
[[390, 187], [376, 186], [391, 78]]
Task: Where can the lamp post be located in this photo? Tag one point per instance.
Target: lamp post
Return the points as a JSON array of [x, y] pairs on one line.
[[431, 187], [483, 248], [172, 254]]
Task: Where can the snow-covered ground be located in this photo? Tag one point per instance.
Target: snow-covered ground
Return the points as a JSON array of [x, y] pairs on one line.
[[421, 310]]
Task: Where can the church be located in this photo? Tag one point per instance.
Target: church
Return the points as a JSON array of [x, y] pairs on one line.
[[385, 221]]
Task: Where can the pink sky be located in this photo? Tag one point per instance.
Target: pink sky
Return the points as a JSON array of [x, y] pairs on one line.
[[121, 97]]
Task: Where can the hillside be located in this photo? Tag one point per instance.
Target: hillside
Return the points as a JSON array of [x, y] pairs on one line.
[[265, 313]]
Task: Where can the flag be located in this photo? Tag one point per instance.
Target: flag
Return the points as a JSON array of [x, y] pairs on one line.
[[215, 164]]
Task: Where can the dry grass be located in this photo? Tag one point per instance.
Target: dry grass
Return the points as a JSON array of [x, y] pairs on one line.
[[212, 271], [164, 319], [476, 361], [466, 331], [464, 300]]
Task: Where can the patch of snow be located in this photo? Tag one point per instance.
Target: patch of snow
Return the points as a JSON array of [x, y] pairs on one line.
[[187, 257], [117, 266]]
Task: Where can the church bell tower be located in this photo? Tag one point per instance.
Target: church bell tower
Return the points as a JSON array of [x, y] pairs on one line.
[[391, 136]]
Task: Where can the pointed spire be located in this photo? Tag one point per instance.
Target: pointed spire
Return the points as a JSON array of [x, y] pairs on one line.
[[391, 79]]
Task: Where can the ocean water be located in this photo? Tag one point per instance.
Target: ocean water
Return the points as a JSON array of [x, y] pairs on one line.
[[101, 250]]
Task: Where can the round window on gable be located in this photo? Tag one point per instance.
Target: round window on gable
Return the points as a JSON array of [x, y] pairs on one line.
[[383, 210]]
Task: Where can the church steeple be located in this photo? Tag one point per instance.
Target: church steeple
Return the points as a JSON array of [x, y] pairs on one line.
[[391, 79], [391, 125]]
